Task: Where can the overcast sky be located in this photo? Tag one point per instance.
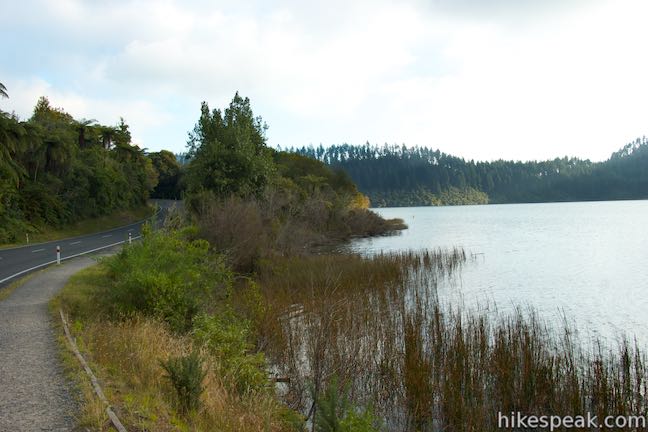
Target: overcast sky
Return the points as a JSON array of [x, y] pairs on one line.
[[512, 79]]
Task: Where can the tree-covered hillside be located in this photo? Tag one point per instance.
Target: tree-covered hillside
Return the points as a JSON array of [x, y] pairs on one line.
[[55, 170], [400, 175]]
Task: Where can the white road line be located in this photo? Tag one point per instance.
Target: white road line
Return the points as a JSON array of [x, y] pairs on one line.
[[76, 242], [62, 259], [107, 235], [87, 235], [37, 250]]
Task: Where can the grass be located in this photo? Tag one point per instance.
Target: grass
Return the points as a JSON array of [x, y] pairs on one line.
[[88, 226], [127, 355]]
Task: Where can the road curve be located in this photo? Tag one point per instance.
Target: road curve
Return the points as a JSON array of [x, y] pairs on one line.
[[18, 261]]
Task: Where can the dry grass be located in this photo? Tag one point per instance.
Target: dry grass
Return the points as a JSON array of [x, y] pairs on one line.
[[126, 356]]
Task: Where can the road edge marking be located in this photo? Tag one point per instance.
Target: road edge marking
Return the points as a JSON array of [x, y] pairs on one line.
[[8, 278]]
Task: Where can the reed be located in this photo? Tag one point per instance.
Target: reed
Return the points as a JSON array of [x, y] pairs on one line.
[[379, 326]]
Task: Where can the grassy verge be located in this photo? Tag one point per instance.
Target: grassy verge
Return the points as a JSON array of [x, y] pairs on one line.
[[88, 226], [128, 350]]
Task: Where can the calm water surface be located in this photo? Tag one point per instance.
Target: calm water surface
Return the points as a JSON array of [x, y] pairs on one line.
[[587, 262]]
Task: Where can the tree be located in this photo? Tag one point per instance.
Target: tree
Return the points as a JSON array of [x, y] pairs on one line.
[[82, 127], [168, 169], [54, 170], [3, 91], [57, 129], [228, 151]]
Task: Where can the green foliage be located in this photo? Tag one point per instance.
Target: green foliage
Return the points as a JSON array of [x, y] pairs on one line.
[[336, 414], [424, 197], [186, 375], [411, 176], [228, 151], [227, 337], [55, 171], [167, 277], [359, 421], [169, 174]]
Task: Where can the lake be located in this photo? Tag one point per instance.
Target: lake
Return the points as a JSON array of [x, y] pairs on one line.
[[586, 261]]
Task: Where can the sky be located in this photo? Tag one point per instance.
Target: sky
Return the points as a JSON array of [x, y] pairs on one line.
[[480, 79]]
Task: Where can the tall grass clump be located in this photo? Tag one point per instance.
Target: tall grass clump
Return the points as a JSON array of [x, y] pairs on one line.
[[168, 276], [186, 374]]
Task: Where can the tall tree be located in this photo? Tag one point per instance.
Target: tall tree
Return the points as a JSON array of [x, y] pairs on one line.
[[3, 91], [228, 151]]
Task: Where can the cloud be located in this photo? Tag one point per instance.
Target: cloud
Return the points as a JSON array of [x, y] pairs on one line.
[[483, 79]]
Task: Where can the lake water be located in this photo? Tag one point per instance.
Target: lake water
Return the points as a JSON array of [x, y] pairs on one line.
[[585, 261]]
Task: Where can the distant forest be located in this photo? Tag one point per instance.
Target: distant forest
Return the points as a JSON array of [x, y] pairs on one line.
[[393, 175]]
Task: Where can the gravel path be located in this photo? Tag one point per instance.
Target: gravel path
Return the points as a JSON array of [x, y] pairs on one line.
[[34, 394]]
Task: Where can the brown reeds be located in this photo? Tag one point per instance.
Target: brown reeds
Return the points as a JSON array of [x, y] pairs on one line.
[[378, 324]]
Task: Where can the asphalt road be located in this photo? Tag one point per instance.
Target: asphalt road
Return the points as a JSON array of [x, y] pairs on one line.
[[15, 262]]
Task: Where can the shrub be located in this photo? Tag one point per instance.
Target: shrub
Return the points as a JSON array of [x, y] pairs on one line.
[[336, 414], [186, 375], [167, 277], [226, 337], [235, 228]]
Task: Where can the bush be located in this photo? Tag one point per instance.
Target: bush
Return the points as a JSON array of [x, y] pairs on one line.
[[235, 227], [186, 375], [336, 414], [166, 276], [226, 337]]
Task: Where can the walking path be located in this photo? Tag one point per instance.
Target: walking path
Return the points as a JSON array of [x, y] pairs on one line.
[[34, 394]]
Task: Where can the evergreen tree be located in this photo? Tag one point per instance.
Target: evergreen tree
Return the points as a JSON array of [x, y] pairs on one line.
[[228, 151]]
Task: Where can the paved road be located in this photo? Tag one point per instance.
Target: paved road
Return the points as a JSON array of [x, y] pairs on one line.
[[15, 262]]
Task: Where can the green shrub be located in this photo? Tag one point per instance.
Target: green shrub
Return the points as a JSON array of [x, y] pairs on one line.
[[227, 338], [359, 421], [336, 414], [166, 276], [186, 375]]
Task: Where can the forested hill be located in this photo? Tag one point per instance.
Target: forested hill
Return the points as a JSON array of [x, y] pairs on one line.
[[408, 176]]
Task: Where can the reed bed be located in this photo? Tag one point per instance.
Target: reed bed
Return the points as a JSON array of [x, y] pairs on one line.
[[378, 325]]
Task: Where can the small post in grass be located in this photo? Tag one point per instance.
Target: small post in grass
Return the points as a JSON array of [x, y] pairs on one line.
[[58, 254], [130, 238]]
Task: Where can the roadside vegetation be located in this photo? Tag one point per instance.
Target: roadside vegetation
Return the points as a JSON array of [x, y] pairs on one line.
[[56, 171]]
